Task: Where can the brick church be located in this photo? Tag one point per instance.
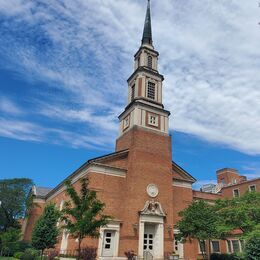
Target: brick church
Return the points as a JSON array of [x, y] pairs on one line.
[[142, 187]]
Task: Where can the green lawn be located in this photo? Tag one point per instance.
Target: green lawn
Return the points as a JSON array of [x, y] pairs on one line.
[[7, 258]]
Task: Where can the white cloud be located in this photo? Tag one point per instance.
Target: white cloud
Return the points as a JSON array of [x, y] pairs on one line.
[[9, 107], [210, 57], [25, 131]]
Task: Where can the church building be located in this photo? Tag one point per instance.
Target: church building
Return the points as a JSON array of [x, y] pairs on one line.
[[143, 189]]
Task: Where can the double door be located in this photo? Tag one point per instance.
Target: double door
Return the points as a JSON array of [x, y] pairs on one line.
[[149, 235]]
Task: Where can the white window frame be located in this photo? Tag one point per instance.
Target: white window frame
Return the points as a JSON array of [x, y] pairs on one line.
[[178, 245], [211, 244], [153, 117], [234, 193], [249, 187], [154, 84], [231, 245], [200, 252], [113, 226]]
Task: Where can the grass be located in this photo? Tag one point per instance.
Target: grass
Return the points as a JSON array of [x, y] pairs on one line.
[[7, 258]]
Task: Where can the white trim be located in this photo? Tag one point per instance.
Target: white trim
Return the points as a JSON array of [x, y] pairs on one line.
[[38, 200], [158, 220], [234, 193], [113, 226], [211, 245], [199, 249], [231, 245], [252, 185], [182, 184], [96, 169], [64, 242]]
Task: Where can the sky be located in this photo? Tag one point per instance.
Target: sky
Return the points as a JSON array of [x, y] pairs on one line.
[[63, 71]]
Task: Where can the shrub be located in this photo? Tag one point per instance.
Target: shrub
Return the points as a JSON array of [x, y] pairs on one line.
[[88, 253], [130, 255], [216, 256], [30, 254], [18, 255], [252, 250], [50, 255]]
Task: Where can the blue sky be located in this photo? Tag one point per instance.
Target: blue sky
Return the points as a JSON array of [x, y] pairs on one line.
[[63, 71]]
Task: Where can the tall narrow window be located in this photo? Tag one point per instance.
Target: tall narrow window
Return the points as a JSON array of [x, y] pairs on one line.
[[202, 246], [151, 90], [229, 247], [236, 193], [236, 246], [133, 92], [215, 246], [150, 61]]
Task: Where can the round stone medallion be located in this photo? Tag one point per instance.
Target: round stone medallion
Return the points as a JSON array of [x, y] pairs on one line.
[[152, 190]]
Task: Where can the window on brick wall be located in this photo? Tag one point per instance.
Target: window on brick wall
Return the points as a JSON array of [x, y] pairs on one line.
[[151, 90], [229, 246], [202, 246], [234, 245], [215, 246], [252, 188], [236, 193]]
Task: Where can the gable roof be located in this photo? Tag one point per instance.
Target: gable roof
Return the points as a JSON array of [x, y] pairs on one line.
[[97, 160], [180, 174]]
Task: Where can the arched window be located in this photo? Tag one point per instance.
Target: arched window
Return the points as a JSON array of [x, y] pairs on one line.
[[150, 61]]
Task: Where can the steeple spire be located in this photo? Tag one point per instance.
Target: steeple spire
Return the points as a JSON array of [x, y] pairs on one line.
[[147, 34]]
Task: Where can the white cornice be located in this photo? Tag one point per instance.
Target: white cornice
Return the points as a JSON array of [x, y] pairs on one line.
[[182, 184], [96, 168]]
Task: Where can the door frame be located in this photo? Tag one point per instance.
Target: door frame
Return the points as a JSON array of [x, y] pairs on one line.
[[158, 238], [112, 226]]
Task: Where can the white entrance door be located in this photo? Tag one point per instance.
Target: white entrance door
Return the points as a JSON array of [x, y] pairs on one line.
[[149, 235], [108, 243]]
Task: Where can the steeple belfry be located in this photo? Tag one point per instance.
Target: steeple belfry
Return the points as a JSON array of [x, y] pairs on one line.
[[145, 108], [147, 33]]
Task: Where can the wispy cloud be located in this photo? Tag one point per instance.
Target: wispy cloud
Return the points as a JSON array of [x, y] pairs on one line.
[[25, 131], [82, 51], [9, 107]]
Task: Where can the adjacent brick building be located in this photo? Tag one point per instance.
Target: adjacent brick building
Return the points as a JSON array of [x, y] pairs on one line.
[[142, 187]]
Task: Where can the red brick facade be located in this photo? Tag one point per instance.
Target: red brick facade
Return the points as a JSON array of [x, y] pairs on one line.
[[142, 188]]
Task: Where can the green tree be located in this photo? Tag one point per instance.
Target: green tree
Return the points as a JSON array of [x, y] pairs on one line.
[[242, 212], [9, 240], [252, 249], [45, 231], [198, 221], [13, 201], [83, 214]]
